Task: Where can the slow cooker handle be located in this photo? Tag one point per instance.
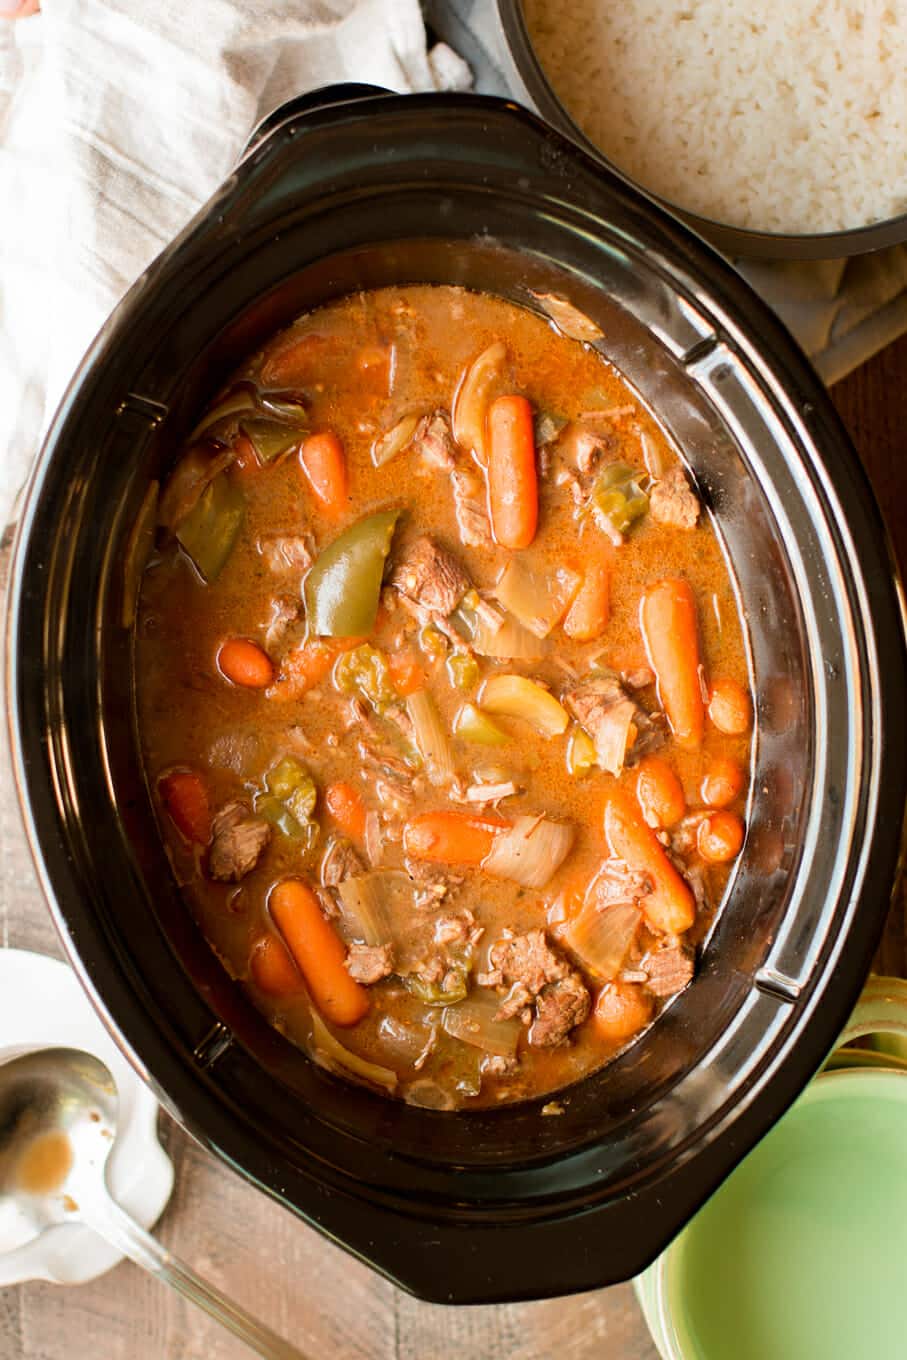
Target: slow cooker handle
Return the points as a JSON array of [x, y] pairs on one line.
[[342, 92]]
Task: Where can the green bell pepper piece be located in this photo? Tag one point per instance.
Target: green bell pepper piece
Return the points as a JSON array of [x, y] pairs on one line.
[[270, 438], [618, 496], [343, 588], [211, 528], [364, 671]]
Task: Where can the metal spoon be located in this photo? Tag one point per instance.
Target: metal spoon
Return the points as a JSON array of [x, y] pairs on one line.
[[58, 1123]]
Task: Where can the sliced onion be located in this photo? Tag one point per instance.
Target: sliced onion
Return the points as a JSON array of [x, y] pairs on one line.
[[330, 1053], [376, 908], [405, 1042], [601, 936], [470, 405], [394, 441], [612, 735], [530, 852], [432, 740], [473, 1022], [538, 600], [516, 696], [510, 642]]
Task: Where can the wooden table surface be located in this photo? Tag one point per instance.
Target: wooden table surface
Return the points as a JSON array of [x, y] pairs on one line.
[[309, 1290]]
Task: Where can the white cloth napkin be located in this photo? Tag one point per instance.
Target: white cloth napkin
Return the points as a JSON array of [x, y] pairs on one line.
[[117, 121]]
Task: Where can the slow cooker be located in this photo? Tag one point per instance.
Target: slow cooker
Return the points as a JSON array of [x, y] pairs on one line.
[[354, 189]]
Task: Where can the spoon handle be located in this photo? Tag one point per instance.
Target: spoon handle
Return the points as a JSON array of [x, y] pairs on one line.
[[111, 1222]]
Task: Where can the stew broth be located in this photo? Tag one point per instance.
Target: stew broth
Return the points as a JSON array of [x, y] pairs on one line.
[[380, 779]]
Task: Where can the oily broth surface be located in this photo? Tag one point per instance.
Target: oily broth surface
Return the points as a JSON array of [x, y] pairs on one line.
[[189, 716]]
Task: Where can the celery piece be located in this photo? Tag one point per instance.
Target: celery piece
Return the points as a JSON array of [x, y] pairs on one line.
[[618, 497], [210, 530], [364, 671], [286, 776], [436, 993], [463, 670]]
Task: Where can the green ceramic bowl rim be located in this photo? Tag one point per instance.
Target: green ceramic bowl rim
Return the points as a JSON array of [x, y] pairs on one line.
[[661, 1316]]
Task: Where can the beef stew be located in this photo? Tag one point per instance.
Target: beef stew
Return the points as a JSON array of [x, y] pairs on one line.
[[443, 694]]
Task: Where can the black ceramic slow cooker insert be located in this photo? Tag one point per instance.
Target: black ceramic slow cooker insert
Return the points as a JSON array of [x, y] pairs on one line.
[[501, 1204]]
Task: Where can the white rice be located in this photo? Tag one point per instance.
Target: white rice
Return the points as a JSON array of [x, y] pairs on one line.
[[776, 115]]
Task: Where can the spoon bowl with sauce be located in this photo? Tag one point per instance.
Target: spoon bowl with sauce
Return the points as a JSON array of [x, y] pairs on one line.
[[58, 1123]]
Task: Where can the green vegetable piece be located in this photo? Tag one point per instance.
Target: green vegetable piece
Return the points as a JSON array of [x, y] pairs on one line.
[[364, 671], [211, 528], [547, 427], [463, 670], [581, 756], [302, 800], [618, 497], [286, 776], [472, 724], [455, 988], [304, 834], [224, 413], [271, 438], [343, 587]]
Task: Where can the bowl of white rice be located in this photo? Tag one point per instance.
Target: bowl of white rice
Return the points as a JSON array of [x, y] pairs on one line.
[[776, 129]]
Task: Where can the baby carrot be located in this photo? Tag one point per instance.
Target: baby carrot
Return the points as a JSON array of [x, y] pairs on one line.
[[513, 494], [722, 783], [730, 708], [670, 905], [588, 615], [668, 622], [622, 1010], [271, 967], [720, 837], [245, 663], [318, 952], [659, 792], [324, 464], [406, 673], [345, 805], [451, 837], [306, 666], [185, 796]]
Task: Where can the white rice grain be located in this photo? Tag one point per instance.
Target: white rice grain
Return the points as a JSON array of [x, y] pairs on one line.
[[779, 116]]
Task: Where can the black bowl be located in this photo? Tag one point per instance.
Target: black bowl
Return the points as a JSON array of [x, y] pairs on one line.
[[502, 1204]]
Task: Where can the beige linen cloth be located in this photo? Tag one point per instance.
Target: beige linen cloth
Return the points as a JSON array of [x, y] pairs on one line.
[[118, 118]]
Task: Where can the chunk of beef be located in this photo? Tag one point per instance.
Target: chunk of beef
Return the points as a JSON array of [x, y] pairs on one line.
[[238, 842], [470, 508], [289, 552], [434, 443], [428, 576], [558, 1009], [369, 963], [538, 974], [669, 970], [528, 959], [672, 501], [431, 885], [340, 861], [285, 611], [584, 449], [600, 705]]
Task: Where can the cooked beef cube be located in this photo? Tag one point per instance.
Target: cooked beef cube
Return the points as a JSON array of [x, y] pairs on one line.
[[669, 970], [430, 577], [538, 973], [558, 1009], [600, 705], [470, 508], [340, 861], [639, 678], [291, 552], [584, 449], [434, 443], [285, 610], [671, 500], [528, 959], [239, 839], [369, 963]]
